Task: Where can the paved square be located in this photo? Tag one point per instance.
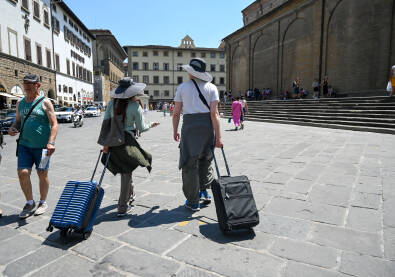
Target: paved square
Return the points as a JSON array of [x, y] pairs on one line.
[[326, 199]]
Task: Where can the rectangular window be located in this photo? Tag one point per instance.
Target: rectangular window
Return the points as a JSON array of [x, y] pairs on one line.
[[36, 10], [46, 18], [56, 25], [222, 67], [39, 55], [145, 79], [64, 17], [156, 92], [145, 54], [53, 7], [73, 68], [135, 78], [203, 54], [167, 93], [166, 53], [64, 89], [155, 53], [193, 54], [212, 55], [145, 66], [179, 67], [135, 66], [222, 81], [156, 79], [222, 55], [156, 66], [212, 67], [179, 80], [135, 54], [166, 79], [60, 88], [166, 66], [57, 62], [70, 90], [28, 50], [25, 5], [13, 43], [49, 64], [146, 92], [68, 67], [179, 54], [213, 81]]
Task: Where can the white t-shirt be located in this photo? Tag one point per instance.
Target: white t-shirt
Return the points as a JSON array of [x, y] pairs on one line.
[[243, 103], [189, 96]]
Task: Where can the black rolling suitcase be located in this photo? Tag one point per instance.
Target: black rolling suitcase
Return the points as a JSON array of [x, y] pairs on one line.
[[234, 202]]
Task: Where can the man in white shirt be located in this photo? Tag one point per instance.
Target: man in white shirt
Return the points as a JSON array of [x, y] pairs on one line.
[[199, 134]]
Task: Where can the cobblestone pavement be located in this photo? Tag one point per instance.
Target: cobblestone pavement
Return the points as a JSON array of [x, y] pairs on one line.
[[326, 199]]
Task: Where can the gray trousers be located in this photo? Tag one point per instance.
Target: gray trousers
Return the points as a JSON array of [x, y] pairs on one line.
[[197, 174], [126, 192]]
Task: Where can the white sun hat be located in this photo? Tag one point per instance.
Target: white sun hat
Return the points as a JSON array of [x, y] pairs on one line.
[[197, 68], [127, 89]]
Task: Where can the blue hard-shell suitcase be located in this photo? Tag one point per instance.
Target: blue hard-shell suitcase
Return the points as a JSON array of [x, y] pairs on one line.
[[78, 205]]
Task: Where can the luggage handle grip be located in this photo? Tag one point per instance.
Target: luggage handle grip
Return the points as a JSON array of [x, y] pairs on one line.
[[104, 169], [216, 164]]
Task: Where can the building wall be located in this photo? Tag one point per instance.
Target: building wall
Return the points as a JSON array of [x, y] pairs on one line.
[[82, 90], [13, 63], [161, 91], [352, 42]]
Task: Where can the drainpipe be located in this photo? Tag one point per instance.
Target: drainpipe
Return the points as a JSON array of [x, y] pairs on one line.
[[321, 40]]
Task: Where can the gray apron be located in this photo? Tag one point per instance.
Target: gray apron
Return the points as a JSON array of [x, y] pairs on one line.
[[197, 137]]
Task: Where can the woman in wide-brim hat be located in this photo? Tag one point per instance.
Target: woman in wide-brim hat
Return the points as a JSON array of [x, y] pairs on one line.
[[123, 117]]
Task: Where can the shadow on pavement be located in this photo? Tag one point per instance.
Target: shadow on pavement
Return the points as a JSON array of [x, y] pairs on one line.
[[57, 241], [164, 217], [212, 232]]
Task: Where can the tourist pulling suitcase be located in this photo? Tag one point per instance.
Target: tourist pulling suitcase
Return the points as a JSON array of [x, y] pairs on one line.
[[234, 202], [78, 205]]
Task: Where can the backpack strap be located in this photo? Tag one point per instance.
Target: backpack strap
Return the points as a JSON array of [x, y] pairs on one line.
[[201, 95]]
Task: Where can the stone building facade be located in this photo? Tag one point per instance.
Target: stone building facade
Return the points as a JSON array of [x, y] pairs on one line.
[[160, 67], [25, 47], [108, 57], [351, 42]]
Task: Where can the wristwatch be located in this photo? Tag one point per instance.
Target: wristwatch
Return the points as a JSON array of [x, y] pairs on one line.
[[52, 143]]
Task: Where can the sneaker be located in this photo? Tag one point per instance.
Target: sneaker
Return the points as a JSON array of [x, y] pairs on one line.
[[42, 207], [128, 211], [205, 197], [192, 207], [27, 210], [132, 198]]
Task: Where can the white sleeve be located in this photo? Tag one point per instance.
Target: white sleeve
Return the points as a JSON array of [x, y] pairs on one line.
[[214, 95], [178, 97]]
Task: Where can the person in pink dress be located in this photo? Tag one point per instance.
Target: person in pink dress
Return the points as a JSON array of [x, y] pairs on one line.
[[237, 109]]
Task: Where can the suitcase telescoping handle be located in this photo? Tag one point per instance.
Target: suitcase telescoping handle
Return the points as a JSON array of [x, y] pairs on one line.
[[216, 164], [104, 169]]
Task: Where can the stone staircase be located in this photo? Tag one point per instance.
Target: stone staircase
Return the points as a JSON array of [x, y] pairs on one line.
[[370, 114]]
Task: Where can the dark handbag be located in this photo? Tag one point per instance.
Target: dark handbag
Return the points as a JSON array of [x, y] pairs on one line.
[[23, 125], [112, 131]]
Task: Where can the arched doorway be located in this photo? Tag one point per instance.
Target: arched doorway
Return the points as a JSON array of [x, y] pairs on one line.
[[51, 94]]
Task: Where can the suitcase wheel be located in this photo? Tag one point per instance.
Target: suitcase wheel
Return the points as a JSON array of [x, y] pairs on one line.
[[63, 233], [50, 228], [86, 235]]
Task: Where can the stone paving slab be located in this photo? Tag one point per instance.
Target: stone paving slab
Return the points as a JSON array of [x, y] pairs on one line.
[[325, 198]]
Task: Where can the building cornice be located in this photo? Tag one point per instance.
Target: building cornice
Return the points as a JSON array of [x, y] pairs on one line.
[[173, 48]]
